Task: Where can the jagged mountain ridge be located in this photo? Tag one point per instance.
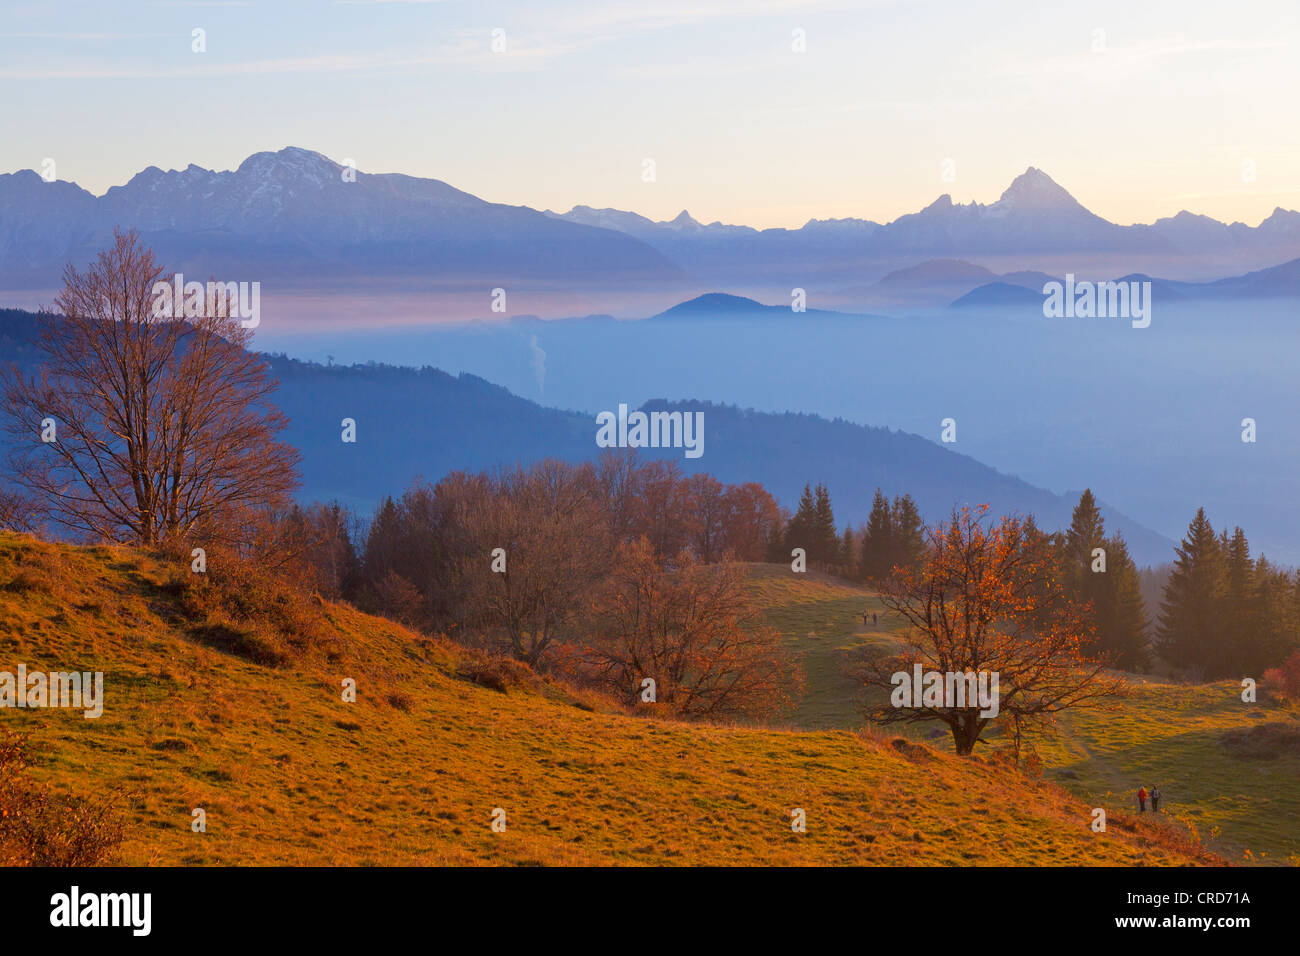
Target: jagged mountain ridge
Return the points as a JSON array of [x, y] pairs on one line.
[[293, 215], [298, 212]]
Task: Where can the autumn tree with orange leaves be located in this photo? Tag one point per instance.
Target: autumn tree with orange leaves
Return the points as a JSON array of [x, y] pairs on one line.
[[987, 598]]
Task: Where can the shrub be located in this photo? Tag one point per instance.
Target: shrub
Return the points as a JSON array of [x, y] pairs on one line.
[[30, 580], [395, 598], [1284, 682], [400, 700], [39, 829], [496, 671], [38, 571], [243, 607]]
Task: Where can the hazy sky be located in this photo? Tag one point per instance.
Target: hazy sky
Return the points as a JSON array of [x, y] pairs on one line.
[[1179, 103]]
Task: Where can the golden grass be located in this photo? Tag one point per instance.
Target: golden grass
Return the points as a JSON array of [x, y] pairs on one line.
[[1241, 798], [410, 774]]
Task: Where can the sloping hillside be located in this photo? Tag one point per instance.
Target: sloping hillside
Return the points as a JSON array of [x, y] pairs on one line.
[[410, 773], [1229, 771]]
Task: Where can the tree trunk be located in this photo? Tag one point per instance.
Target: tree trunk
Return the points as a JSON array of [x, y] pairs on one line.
[[964, 736]]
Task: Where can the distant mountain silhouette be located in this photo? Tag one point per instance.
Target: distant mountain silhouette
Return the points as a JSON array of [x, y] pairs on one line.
[[643, 228], [998, 294], [934, 280], [294, 213], [927, 284], [1281, 281], [295, 217], [719, 303], [937, 272], [723, 305], [1191, 233], [1275, 282], [1030, 279], [1034, 215], [1008, 294]]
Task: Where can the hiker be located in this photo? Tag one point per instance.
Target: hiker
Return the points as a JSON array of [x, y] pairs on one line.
[[1142, 799], [1155, 799]]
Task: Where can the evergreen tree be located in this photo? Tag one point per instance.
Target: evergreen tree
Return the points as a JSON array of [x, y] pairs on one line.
[[1272, 621], [1191, 616], [826, 539], [1033, 533], [908, 533], [1087, 532], [1052, 548], [1239, 606], [346, 564], [1084, 584], [847, 554], [801, 531], [1121, 615], [878, 541], [383, 543]]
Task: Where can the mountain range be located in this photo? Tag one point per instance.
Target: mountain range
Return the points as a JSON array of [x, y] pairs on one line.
[[295, 218], [296, 214], [1035, 219], [1034, 213]]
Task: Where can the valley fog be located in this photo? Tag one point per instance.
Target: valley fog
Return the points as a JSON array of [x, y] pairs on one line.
[[1150, 418]]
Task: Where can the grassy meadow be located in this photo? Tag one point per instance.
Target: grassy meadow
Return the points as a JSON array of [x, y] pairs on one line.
[[439, 737], [1229, 771]]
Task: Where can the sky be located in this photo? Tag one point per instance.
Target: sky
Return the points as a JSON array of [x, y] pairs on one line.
[[1139, 109]]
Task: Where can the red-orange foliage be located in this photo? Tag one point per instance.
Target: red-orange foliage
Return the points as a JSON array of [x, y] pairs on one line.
[[1284, 681], [988, 599]]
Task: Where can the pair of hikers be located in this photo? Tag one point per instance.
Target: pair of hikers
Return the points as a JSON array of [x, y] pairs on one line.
[[1144, 794]]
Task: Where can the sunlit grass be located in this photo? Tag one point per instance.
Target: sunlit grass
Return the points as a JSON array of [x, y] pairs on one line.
[[288, 773], [1168, 735]]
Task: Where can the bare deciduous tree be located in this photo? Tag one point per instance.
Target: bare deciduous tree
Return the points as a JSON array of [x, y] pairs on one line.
[[15, 512], [554, 537], [692, 629], [163, 426]]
